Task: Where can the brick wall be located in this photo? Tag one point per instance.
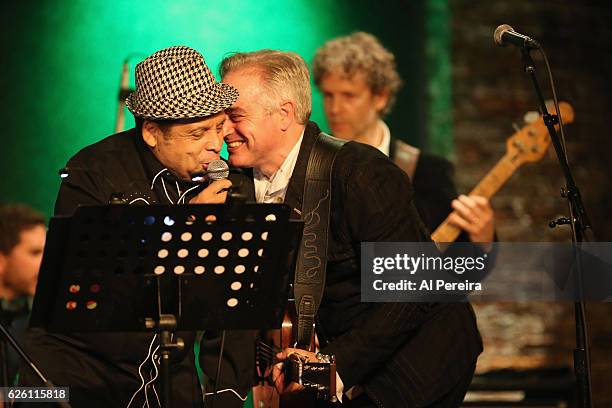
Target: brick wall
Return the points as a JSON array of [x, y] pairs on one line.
[[490, 92]]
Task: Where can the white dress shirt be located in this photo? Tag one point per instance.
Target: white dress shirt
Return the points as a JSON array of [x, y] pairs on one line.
[[386, 141], [274, 189]]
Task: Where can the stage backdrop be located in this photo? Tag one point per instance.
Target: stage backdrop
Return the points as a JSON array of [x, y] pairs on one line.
[[62, 65]]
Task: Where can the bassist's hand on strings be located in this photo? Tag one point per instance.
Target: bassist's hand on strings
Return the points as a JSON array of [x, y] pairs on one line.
[[474, 215]]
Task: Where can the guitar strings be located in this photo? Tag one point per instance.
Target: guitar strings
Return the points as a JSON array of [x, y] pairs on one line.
[[267, 351]]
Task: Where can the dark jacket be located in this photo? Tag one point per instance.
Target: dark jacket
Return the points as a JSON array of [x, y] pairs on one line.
[[434, 188], [403, 354], [102, 369]]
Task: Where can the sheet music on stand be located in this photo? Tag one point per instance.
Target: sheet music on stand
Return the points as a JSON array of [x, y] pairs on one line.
[[110, 268], [167, 268]]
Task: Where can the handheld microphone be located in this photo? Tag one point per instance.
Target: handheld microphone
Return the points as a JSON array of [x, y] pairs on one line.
[[217, 170], [504, 35]]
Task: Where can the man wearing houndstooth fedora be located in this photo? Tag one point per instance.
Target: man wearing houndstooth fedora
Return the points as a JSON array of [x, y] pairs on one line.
[[179, 110]]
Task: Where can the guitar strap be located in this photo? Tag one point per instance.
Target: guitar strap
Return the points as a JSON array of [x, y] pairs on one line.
[[406, 157], [311, 264]]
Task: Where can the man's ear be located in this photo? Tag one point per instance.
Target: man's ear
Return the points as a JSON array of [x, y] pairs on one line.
[[150, 133], [287, 113], [381, 100]]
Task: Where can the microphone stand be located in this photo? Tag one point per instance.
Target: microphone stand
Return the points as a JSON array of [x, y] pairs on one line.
[[11, 340], [124, 91], [579, 224]]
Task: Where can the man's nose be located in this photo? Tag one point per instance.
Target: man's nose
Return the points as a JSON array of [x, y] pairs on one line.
[[215, 144], [228, 126], [333, 105]]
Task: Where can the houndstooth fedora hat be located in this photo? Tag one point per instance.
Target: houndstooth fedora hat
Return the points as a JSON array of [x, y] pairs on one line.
[[176, 83]]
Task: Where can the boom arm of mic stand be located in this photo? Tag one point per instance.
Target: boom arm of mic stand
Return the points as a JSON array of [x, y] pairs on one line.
[[29, 361], [579, 223], [123, 93]]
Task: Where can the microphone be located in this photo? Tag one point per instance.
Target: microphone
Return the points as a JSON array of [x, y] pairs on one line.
[[504, 35], [124, 91], [124, 85], [217, 170]]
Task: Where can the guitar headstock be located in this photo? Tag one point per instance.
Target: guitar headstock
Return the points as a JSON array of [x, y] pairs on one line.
[[531, 142]]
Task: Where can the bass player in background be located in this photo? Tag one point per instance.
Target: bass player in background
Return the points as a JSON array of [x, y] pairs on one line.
[[359, 82]]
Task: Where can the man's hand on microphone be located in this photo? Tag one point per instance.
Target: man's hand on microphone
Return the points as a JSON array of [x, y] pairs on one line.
[[215, 193]]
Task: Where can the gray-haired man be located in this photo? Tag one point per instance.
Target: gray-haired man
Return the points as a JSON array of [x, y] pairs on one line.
[[387, 354]]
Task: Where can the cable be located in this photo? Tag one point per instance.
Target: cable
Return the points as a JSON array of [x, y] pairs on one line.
[[152, 378], [555, 100], [226, 390], [214, 393]]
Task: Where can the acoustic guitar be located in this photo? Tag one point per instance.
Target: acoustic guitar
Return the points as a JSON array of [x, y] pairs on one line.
[[318, 379]]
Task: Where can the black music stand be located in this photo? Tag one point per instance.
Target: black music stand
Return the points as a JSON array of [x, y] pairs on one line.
[[167, 268]]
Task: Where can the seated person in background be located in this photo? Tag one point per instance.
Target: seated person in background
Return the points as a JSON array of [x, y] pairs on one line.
[[359, 82], [22, 241]]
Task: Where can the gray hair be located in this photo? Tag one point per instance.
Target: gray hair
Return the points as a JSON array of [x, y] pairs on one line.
[[284, 75], [359, 52]]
